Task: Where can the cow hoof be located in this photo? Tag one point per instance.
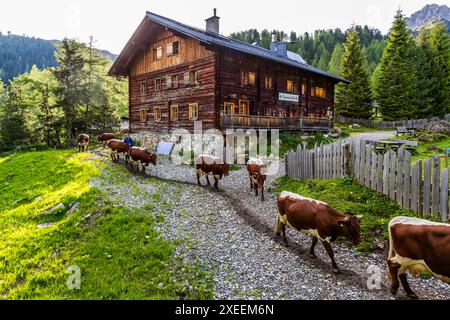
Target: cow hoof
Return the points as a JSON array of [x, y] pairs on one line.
[[336, 271], [413, 296], [278, 234], [394, 291]]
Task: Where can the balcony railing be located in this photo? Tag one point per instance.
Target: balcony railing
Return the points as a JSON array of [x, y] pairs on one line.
[[283, 124]]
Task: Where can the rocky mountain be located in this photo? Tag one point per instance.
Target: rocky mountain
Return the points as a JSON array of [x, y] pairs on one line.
[[428, 15]]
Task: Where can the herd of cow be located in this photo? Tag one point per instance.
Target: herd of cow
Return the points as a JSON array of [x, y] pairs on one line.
[[416, 245]]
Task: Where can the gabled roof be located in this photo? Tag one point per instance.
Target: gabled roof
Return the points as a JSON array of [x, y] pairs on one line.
[[293, 59]]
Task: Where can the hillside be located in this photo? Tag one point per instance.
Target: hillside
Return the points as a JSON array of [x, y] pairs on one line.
[[19, 53], [428, 15]]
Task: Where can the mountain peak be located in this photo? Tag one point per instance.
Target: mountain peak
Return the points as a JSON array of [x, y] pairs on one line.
[[427, 15]]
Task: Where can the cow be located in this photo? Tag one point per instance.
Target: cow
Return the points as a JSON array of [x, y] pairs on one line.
[[317, 219], [83, 142], [419, 246], [117, 147], [143, 156], [207, 165], [257, 171], [105, 137]]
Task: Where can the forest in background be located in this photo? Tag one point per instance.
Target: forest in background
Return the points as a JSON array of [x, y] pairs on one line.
[[405, 75]]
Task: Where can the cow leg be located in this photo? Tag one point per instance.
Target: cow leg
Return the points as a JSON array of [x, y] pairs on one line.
[[283, 229], [144, 172], [198, 178], [406, 286], [393, 276], [251, 183], [262, 194], [330, 252], [312, 254], [256, 189], [216, 183], [207, 181]]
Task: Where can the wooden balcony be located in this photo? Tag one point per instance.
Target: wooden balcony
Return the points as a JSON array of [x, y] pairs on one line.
[[283, 124]]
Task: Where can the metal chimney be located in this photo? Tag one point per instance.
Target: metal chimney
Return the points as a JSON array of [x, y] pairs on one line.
[[212, 24]]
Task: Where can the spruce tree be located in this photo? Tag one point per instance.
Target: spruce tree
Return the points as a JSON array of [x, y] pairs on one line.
[[395, 91], [354, 99], [440, 65], [334, 66]]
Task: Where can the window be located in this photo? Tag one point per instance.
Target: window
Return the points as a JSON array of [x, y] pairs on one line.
[[173, 48], [157, 53], [248, 78], [268, 82], [143, 87], [191, 78], [304, 88], [319, 92], [244, 107], [158, 83], [174, 113], [143, 115], [291, 86], [228, 108], [157, 113], [193, 111], [174, 81]]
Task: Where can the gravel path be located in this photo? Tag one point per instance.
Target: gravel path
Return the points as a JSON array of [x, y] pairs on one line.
[[231, 232], [375, 135]]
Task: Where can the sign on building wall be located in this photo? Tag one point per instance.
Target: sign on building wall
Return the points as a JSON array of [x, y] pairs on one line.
[[288, 97]]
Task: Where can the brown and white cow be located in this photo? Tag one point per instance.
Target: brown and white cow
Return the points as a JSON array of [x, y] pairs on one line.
[[257, 171], [418, 246], [207, 165], [117, 147], [83, 142], [105, 137], [142, 156], [317, 219]]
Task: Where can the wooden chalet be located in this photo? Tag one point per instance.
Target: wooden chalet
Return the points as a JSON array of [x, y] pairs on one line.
[[179, 74]]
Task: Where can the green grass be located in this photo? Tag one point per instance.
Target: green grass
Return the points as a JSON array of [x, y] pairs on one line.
[[349, 132], [119, 253], [351, 198]]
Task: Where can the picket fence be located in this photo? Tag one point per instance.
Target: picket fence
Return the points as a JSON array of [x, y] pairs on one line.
[[421, 187], [369, 123]]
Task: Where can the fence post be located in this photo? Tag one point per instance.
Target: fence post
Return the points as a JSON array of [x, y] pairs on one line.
[[436, 185], [444, 195], [346, 160], [427, 187]]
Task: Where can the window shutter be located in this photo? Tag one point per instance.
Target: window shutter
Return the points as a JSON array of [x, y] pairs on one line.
[[169, 82], [186, 78]]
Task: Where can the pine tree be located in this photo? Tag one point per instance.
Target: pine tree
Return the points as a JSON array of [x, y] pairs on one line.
[[395, 92], [70, 76], [354, 99], [439, 44], [336, 59]]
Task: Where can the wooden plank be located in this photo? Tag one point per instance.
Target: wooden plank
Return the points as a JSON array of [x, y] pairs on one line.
[[373, 172], [427, 188], [444, 196], [386, 166], [407, 180], [392, 174], [380, 173], [436, 185], [420, 186], [400, 168], [368, 165], [414, 204]]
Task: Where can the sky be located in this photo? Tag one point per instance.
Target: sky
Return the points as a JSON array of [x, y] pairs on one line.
[[112, 22]]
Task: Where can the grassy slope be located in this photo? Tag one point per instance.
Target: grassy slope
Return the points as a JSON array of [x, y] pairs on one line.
[[351, 198], [117, 249]]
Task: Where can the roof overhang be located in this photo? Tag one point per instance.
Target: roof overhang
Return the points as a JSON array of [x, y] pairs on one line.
[[137, 44]]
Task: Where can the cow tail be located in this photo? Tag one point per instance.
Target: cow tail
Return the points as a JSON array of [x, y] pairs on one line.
[[391, 241]]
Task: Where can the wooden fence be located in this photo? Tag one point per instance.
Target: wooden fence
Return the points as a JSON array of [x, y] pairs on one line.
[[421, 187], [384, 124]]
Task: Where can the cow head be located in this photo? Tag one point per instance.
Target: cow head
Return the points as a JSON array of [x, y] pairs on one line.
[[351, 229]]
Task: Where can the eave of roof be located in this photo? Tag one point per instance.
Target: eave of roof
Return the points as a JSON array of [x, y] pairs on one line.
[[218, 40]]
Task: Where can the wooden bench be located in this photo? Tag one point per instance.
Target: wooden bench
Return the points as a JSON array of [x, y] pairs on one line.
[[409, 145], [405, 130]]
